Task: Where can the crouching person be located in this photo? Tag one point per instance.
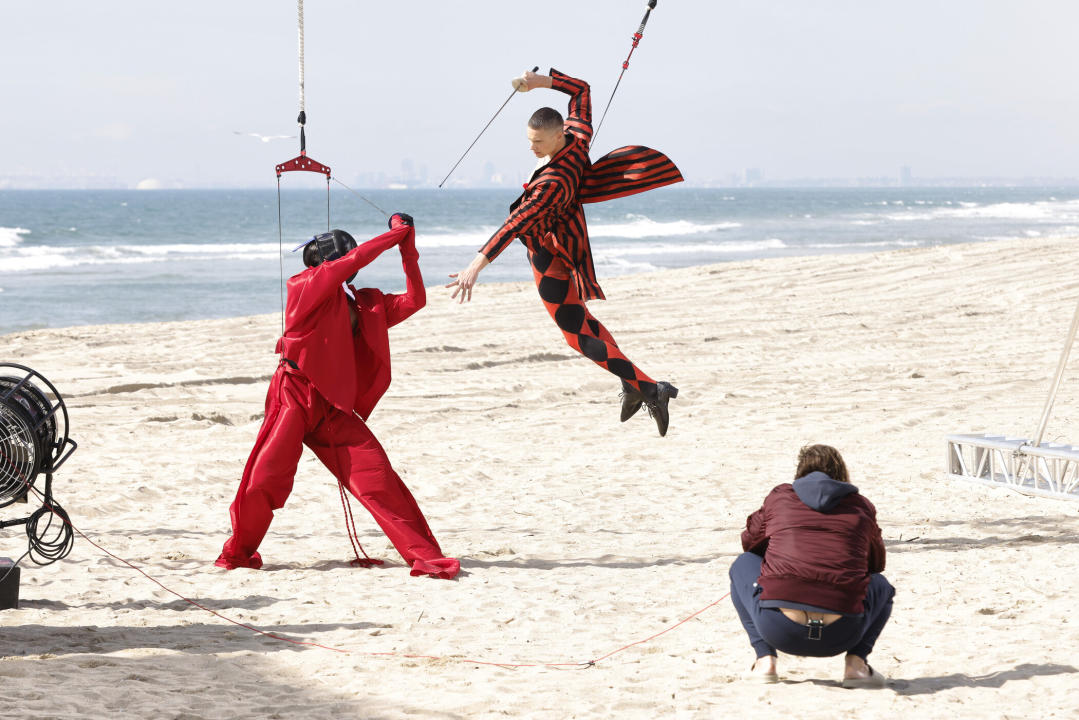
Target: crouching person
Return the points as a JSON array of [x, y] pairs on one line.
[[809, 581]]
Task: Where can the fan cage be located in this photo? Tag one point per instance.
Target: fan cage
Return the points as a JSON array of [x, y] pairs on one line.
[[33, 431]]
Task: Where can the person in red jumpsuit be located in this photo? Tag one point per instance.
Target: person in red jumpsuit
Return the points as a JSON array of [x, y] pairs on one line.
[[335, 365], [549, 220]]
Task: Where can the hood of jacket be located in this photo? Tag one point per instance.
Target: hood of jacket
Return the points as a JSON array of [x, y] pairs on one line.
[[820, 492]]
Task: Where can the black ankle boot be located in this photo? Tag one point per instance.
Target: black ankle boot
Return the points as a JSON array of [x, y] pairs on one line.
[[656, 400], [631, 400]]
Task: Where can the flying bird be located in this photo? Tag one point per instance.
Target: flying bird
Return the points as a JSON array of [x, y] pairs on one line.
[[265, 138]]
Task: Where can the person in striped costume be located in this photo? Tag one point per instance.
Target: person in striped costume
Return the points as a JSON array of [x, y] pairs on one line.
[[549, 219]]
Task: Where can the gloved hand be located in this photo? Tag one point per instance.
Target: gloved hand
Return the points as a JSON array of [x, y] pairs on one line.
[[399, 219], [407, 245]]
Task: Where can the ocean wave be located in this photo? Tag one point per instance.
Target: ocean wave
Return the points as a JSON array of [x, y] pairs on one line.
[[636, 227], [1043, 210], [622, 266], [866, 244], [1069, 232], [640, 226], [65, 257], [12, 236], [722, 248], [47, 257], [455, 239]]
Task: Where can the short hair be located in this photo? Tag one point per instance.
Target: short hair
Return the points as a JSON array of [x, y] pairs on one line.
[[311, 256], [546, 119], [821, 458]]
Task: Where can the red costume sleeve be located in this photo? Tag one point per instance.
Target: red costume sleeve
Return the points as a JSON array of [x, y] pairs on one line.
[[401, 307], [579, 117], [327, 277], [541, 198]]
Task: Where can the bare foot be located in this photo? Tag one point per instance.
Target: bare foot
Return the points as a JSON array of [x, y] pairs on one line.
[[765, 665], [855, 668]]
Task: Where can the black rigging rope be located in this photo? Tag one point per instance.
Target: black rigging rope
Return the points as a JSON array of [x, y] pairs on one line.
[[636, 39]]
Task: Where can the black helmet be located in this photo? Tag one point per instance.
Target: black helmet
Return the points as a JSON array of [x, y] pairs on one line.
[[325, 247], [333, 245]]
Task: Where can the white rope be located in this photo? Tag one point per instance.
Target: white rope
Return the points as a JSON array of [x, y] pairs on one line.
[[299, 8]]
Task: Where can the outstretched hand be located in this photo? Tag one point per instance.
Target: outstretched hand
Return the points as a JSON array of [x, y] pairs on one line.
[[464, 281]]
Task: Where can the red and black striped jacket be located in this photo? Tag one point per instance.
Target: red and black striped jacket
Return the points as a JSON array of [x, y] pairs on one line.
[[549, 214]]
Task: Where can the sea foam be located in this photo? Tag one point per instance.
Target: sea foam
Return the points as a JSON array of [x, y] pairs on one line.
[[640, 226], [48, 257], [12, 236], [636, 227]]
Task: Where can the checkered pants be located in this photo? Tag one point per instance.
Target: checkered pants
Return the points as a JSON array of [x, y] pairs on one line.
[[583, 332]]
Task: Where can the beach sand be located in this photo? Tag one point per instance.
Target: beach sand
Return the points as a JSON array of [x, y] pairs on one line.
[[577, 535]]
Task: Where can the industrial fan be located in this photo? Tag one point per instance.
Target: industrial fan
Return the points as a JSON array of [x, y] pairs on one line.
[[33, 441]]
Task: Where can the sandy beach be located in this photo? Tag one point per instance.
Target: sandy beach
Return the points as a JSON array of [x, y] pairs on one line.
[[577, 535]]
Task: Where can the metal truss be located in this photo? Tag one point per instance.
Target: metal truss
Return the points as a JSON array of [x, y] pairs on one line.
[[1048, 470]]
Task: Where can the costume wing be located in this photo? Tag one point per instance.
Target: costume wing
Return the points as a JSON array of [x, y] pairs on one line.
[[627, 171]]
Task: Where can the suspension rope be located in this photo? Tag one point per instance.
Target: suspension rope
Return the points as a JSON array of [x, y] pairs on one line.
[[299, 9], [515, 91], [636, 39], [280, 257], [361, 197]]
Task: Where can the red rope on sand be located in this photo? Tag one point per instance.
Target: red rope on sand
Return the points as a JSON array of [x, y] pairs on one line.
[[508, 665], [662, 632], [353, 536], [167, 589]]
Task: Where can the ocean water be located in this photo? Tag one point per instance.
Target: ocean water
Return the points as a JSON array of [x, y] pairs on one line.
[[90, 256]]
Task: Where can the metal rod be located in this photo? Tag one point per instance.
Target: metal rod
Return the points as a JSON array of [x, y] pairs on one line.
[[515, 91], [1053, 389], [1058, 378]]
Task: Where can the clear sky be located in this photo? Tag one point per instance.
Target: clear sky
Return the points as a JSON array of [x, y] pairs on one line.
[[114, 92]]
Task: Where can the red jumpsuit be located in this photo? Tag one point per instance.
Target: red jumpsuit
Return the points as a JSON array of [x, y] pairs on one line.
[[335, 366]]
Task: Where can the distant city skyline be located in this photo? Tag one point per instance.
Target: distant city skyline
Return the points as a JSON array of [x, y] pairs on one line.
[[126, 94]]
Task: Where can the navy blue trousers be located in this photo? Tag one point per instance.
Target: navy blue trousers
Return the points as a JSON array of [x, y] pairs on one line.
[[770, 630]]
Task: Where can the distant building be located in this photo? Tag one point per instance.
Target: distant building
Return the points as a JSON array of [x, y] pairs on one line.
[[751, 177], [905, 177]]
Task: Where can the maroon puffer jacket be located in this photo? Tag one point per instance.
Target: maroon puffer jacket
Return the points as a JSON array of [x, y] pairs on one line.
[[820, 541]]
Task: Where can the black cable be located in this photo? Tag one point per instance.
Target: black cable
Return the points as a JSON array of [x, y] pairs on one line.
[[46, 548]]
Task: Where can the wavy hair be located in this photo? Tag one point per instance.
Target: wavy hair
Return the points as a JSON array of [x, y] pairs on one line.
[[821, 458]]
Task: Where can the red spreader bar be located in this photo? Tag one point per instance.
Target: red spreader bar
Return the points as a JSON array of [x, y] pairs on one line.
[[302, 163]]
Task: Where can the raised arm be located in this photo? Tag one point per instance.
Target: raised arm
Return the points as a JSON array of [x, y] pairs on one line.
[[325, 279], [400, 307], [329, 276], [579, 117]]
